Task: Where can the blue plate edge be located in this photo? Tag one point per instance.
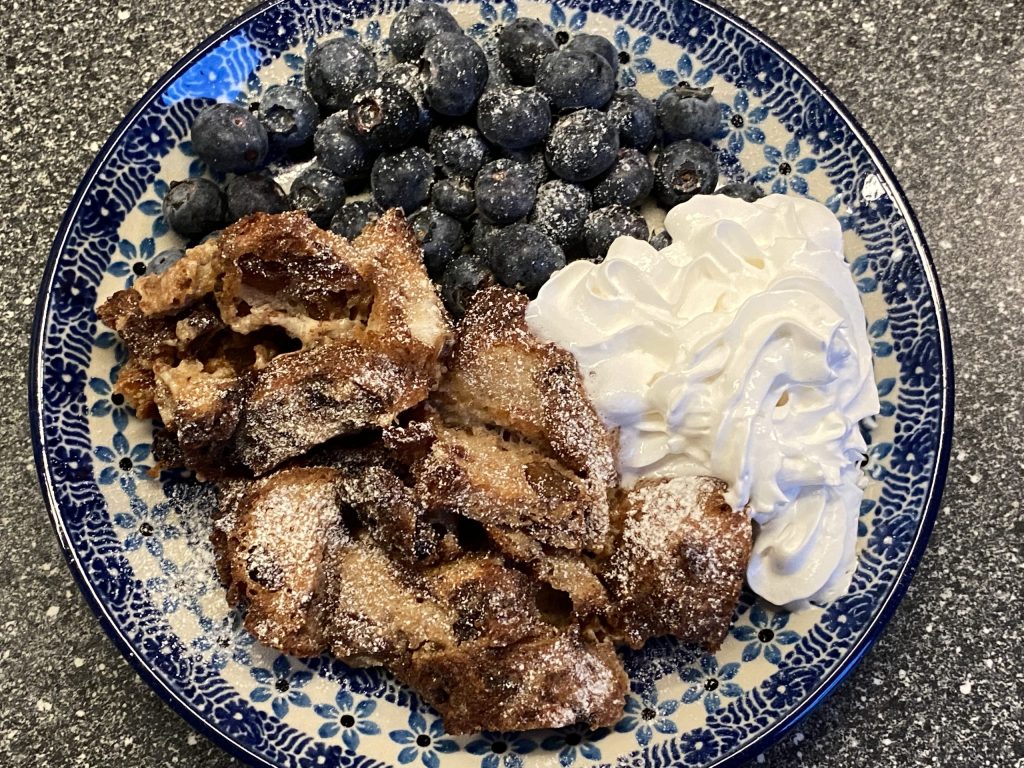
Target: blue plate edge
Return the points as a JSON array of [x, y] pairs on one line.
[[777, 730]]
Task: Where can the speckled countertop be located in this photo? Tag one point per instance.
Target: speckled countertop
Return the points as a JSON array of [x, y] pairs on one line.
[[937, 85]]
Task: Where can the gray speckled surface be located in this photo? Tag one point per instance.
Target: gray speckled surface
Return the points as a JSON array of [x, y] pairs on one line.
[[937, 85]]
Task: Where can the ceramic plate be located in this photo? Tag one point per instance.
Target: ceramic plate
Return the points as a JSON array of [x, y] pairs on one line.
[[138, 546]]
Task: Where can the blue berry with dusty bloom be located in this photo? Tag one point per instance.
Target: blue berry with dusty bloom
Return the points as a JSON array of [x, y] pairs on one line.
[[319, 193], [440, 236], [254, 192], [523, 258], [289, 114], [514, 117], [402, 180], [604, 225], [415, 25], [352, 218], [505, 191], [560, 210], [741, 190], [462, 278], [684, 169], [459, 150], [582, 146], [337, 70], [521, 46], [456, 73], [229, 138], [194, 207], [602, 46], [628, 182], [635, 116], [339, 150], [685, 112], [454, 196], [573, 79]]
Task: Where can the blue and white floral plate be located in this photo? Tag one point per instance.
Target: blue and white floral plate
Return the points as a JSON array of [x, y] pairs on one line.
[[139, 548]]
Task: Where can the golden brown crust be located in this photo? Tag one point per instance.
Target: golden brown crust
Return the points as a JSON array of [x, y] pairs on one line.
[[501, 374], [678, 564], [277, 336]]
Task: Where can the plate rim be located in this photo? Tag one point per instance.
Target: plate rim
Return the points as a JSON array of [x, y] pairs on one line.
[[774, 733]]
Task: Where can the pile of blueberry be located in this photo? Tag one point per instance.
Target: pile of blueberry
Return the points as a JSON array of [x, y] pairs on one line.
[[508, 162]]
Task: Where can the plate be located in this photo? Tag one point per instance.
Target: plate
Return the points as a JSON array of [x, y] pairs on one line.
[[138, 546]]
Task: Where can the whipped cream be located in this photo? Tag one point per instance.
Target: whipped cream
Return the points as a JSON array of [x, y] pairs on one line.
[[739, 351]]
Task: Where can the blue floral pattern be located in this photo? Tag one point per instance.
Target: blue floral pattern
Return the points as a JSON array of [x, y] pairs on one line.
[[645, 716], [710, 683], [422, 740], [347, 717], [130, 533], [281, 686], [766, 633]]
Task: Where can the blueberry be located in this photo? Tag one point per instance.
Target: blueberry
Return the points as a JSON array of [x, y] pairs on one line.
[[628, 182], [289, 114], [163, 261], [560, 211], [453, 196], [402, 180], [194, 207], [743, 191], [384, 116], [319, 193], [636, 118], [582, 145], [408, 76], [352, 218], [606, 224], [688, 113], [229, 138], [513, 117], [524, 259], [602, 46], [440, 235], [456, 73], [339, 150], [337, 70], [459, 150], [466, 275], [521, 46], [254, 192], [532, 158], [417, 24], [482, 236], [660, 239], [574, 79], [684, 169], [505, 191]]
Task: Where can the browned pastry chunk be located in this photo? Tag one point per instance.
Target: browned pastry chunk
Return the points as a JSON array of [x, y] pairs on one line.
[[273, 537], [678, 566], [501, 374], [278, 336], [508, 484], [377, 611], [548, 681]]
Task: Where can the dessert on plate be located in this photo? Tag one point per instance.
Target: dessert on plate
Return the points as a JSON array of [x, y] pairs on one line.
[[478, 424]]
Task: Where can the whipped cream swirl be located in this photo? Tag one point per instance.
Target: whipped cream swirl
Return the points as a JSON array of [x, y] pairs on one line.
[[739, 351]]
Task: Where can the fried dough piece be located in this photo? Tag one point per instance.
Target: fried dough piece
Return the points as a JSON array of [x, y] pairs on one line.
[[510, 485], [548, 681], [501, 374], [272, 540], [678, 565], [278, 336]]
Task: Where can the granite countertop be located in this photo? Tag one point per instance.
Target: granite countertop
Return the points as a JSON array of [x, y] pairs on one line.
[[937, 85]]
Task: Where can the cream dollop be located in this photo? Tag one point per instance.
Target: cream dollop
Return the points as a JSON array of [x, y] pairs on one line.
[[738, 351]]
